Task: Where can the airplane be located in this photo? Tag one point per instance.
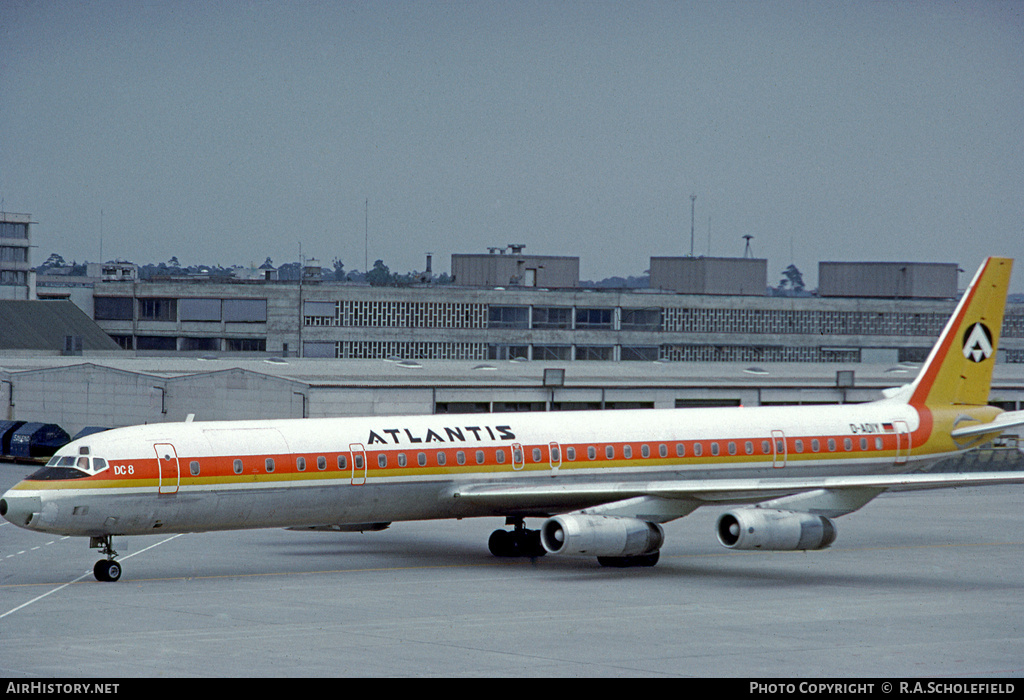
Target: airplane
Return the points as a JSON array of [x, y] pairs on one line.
[[603, 482]]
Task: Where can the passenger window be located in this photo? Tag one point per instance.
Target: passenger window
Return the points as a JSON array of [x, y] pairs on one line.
[[479, 456], [878, 443], [238, 466], [193, 467], [343, 462], [401, 459], [609, 452], [382, 460], [645, 451], [714, 449], [321, 463], [798, 445], [815, 445], [499, 456], [831, 445], [536, 454], [732, 448], [358, 461], [591, 452], [627, 451], [766, 447], [517, 456], [663, 450], [270, 465], [698, 450], [460, 457], [680, 449], [300, 464], [863, 443], [847, 444], [441, 459], [570, 454], [421, 459], [748, 447]]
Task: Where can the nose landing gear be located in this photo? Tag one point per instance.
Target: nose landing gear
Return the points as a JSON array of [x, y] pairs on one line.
[[105, 569]]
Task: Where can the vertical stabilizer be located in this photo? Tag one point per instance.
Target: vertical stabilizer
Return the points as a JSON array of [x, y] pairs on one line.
[[959, 369]]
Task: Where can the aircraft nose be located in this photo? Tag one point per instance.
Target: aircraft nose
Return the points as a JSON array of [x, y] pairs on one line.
[[20, 510]]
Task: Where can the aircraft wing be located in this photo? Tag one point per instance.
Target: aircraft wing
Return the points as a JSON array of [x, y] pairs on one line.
[[555, 498], [1003, 421]]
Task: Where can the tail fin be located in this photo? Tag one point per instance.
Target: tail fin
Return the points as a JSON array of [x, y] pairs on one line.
[[959, 369]]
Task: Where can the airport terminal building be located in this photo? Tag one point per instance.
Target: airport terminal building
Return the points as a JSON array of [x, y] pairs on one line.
[[704, 333]]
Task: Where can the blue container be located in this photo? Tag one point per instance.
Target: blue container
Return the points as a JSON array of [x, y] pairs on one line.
[[35, 440], [7, 428]]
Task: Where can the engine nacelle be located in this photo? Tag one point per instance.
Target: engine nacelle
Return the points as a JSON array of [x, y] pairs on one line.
[[762, 528], [600, 535]]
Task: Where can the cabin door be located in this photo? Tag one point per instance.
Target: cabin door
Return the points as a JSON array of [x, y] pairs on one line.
[[778, 449], [518, 458], [358, 456], [554, 456], [168, 468], [902, 441]]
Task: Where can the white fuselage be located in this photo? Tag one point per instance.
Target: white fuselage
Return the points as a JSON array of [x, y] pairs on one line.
[[189, 477]]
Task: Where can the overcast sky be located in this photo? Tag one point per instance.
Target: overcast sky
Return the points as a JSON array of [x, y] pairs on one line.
[[226, 132]]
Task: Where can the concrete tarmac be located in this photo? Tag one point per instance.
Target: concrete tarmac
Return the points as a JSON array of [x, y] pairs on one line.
[[921, 584]]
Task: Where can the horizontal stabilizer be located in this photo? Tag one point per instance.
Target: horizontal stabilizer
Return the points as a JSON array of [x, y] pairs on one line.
[[1004, 421]]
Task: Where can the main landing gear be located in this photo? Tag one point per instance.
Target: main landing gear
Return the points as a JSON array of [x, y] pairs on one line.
[[105, 569], [519, 542]]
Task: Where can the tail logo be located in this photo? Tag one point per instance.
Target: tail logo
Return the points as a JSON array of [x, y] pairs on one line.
[[978, 343]]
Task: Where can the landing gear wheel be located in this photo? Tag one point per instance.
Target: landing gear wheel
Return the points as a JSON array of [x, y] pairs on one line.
[[624, 562], [517, 543], [107, 570]]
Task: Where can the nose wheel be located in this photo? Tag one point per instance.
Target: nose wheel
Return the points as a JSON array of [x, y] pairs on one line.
[[105, 569]]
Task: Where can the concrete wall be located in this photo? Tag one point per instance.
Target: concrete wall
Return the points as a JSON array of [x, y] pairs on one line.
[[741, 276], [893, 280]]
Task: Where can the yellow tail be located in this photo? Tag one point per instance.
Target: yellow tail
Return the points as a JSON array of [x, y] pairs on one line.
[[959, 369]]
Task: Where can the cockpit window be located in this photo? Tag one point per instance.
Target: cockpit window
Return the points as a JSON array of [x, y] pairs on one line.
[[88, 465]]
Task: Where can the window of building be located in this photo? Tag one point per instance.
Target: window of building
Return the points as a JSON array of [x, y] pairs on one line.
[[112, 308], [594, 353], [594, 318], [641, 319], [552, 317], [199, 309], [246, 344], [508, 317], [551, 352], [13, 230], [245, 310], [156, 309], [153, 342]]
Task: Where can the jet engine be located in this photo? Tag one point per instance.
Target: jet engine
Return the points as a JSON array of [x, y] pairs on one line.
[[762, 528], [600, 535]]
